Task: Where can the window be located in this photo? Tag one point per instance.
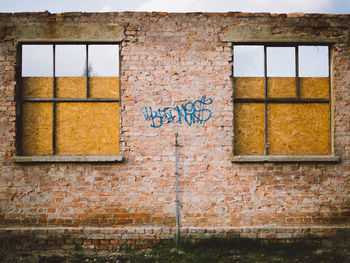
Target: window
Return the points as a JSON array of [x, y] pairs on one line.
[[282, 104], [69, 100]]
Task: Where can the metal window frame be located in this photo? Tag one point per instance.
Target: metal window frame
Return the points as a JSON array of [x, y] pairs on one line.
[[19, 95], [297, 100]]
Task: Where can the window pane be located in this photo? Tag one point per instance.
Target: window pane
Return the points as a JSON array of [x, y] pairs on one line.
[[70, 60], [37, 61], [249, 128], [71, 87], [104, 60], [298, 129], [281, 87], [104, 87], [37, 87], [281, 62], [314, 87], [248, 61], [313, 61], [87, 128], [37, 128], [248, 87]]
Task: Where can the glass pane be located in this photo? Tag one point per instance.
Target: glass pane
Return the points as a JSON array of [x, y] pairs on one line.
[[70, 60], [281, 62], [37, 61], [104, 60], [248, 61], [313, 61]]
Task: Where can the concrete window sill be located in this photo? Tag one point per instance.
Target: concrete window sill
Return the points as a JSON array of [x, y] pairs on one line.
[[67, 158], [283, 158]]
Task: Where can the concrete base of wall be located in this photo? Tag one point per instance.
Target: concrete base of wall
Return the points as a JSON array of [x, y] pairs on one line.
[[45, 238]]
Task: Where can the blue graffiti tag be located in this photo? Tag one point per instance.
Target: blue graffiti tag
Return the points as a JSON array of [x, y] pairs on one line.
[[190, 113]]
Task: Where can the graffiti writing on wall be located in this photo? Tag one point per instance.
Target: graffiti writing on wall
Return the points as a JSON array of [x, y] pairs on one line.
[[189, 113]]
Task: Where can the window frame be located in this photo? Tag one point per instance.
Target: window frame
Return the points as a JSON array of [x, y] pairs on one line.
[[298, 100], [54, 157]]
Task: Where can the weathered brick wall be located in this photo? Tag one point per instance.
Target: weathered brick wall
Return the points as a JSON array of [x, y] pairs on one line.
[[169, 60]]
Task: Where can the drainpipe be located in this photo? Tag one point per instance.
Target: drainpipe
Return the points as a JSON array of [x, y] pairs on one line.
[[177, 199]]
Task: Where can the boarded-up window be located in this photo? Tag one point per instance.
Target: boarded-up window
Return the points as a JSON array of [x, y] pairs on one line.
[[69, 103], [281, 100]]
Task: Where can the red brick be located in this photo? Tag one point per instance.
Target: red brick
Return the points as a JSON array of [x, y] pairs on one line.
[[168, 60]]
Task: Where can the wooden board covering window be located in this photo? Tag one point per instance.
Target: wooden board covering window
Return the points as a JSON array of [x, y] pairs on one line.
[[298, 129], [316, 88], [249, 87], [104, 87], [278, 87], [293, 128], [36, 128], [37, 87], [87, 128], [82, 128], [249, 129], [70, 87]]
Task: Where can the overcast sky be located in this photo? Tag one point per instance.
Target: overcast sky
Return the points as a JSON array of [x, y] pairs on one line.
[[273, 6]]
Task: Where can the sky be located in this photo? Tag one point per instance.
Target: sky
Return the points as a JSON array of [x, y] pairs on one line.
[[272, 6]]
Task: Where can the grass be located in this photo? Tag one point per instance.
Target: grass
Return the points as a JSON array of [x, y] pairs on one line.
[[240, 250], [208, 250]]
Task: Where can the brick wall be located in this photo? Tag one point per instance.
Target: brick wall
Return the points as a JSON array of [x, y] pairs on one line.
[[170, 60]]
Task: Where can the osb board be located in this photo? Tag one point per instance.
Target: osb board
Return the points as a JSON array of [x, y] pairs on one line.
[[87, 128], [71, 87], [249, 128], [37, 87], [248, 87], [316, 87], [36, 128], [281, 87], [298, 129], [104, 87], [253, 87]]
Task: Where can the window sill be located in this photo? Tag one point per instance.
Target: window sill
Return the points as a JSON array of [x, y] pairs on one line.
[[284, 159], [67, 158]]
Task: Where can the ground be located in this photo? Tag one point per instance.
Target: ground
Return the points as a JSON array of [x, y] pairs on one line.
[[213, 250]]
